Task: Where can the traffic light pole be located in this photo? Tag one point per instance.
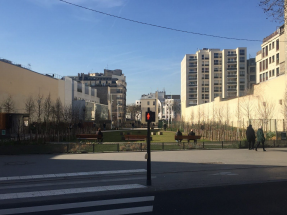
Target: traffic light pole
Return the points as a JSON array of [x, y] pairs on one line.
[[148, 174]]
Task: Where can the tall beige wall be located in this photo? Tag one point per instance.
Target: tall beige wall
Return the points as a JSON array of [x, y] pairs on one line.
[[232, 111], [21, 83]]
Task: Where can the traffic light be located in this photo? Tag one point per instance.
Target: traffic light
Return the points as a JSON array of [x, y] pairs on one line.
[[150, 116]]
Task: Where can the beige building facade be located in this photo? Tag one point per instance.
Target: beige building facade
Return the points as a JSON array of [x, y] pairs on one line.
[[270, 60], [211, 73], [266, 103]]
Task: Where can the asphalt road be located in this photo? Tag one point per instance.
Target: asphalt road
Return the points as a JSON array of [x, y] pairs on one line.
[[255, 199]]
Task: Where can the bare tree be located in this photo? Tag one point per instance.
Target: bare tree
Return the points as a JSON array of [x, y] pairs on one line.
[[265, 109], [247, 106], [58, 109], [274, 9], [39, 107], [67, 113], [30, 107], [227, 113], [192, 116], [47, 108], [9, 105], [133, 109]]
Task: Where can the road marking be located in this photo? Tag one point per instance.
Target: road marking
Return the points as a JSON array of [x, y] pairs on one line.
[[71, 174], [225, 173], [75, 205], [73, 182], [69, 191], [119, 211]]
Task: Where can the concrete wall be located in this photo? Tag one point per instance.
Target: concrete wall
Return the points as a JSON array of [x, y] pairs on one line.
[[232, 111], [22, 83]]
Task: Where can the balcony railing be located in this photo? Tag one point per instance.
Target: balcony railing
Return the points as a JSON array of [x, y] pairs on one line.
[[217, 77], [232, 61], [231, 54], [192, 98], [242, 75], [232, 82], [192, 85], [217, 83], [192, 65], [193, 72], [192, 91], [231, 90], [204, 84], [218, 91], [192, 59], [192, 79], [231, 76], [218, 64], [218, 56], [232, 68]]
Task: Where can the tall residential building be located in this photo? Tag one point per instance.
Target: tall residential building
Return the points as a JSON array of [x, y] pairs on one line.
[[111, 87], [251, 72], [211, 73], [270, 60]]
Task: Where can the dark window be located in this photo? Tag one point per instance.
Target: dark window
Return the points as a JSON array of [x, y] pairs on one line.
[[252, 77], [242, 52], [277, 44]]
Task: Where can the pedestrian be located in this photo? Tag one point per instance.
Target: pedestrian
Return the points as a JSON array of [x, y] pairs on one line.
[[164, 126], [100, 134], [260, 138], [250, 136], [178, 133], [191, 133], [104, 126]]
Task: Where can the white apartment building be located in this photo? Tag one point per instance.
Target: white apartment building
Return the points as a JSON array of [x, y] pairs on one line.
[[211, 73], [270, 60]]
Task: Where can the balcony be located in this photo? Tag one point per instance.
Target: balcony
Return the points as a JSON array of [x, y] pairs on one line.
[[192, 59], [234, 54], [217, 56], [232, 62], [192, 72], [192, 65], [218, 91], [205, 91], [217, 77], [242, 75], [204, 64], [217, 83], [232, 76], [192, 79], [231, 82], [232, 68], [192, 85], [192, 92], [218, 64], [231, 90], [204, 84], [193, 98]]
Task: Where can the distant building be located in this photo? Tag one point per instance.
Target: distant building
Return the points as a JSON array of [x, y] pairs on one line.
[[112, 87], [211, 73], [270, 60], [251, 72]]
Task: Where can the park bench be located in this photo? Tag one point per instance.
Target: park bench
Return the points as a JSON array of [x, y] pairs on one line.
[[188, 138], [135, 137], [89, 137]]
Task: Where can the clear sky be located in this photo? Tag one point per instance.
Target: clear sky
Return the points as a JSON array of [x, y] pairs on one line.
[[55, 37]]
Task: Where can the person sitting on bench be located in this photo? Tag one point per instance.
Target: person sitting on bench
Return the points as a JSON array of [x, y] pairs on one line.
[[191, 133], [178, 133]]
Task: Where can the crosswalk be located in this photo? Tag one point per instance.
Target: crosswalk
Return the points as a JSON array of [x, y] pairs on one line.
[[50, 186], [62, 208]]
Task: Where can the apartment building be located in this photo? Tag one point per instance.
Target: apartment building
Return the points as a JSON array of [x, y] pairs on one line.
[[251, 72], [111, 87], [211, 73], [270, 60]]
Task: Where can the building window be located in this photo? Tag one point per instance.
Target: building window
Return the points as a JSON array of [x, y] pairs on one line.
[[215, 55], [277, 45], [242, 52], [148, 103], [273, 59], [263, 76], [242, 59], [266, 76], [273, 72], [202, 56], [269, 46], [269, 60], [272, 45], [266, 62], [242, 87], [153, 103], [252, 78], [263, 62], [277, 59], [270, 73], [260, 77], [266, 51], [260, 66], [277, 71]]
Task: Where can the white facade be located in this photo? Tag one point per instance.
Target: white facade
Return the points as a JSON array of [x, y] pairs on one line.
[[211, 73]]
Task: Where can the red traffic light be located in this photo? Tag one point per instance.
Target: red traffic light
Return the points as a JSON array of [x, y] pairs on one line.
[[148, 116]]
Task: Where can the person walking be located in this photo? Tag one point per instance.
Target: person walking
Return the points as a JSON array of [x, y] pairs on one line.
[[250, 136], [260, 138], [100, 133], [104, 126]]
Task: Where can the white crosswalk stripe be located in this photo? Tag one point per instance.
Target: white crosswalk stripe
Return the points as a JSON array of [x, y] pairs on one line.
[[59, 175], [130, 210], [69, 191]]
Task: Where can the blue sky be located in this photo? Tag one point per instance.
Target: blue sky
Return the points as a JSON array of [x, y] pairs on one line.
[[55, 37]]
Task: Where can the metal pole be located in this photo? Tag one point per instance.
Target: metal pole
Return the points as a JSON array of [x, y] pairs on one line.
[[118, 115], [148, 179]]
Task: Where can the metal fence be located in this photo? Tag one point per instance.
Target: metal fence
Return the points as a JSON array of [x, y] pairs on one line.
[[8, 149]]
